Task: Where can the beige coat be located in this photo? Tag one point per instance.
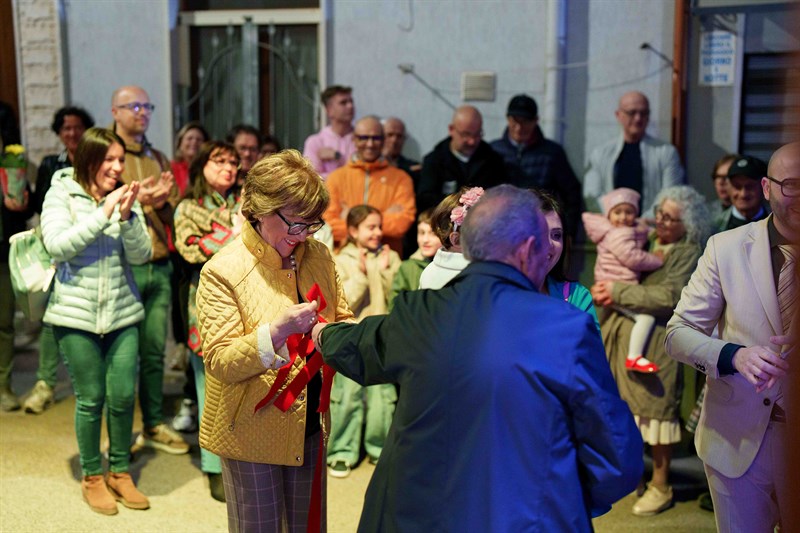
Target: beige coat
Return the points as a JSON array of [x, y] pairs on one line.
[[241, 288], [367, 293], [732, 289]]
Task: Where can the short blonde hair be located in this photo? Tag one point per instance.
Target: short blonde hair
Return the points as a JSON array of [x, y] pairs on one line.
[[285, 180]]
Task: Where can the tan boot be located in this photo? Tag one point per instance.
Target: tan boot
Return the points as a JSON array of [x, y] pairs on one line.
[[96, 494], [122, 487]]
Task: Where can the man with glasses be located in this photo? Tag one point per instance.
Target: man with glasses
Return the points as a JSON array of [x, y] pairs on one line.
[[131, 109], [747, 201], [247, 141], [535, 162], [332, 147], [734, 323], [634, 159], [369, 179], [461, 159]]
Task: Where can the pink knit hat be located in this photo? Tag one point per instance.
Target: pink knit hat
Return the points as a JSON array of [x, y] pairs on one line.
[[623, 195]]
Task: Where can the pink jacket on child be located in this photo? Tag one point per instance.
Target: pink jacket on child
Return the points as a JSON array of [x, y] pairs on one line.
[[620, 256]]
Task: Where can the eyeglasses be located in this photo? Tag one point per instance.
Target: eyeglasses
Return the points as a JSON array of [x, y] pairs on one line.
[[247, 148], [296, 228], [666, 219], [790, 187], [365, 138], [221, 161], [138, 106], [644, 113], [469, 135]]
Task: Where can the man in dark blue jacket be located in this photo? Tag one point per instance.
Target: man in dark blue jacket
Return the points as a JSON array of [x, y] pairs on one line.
[[535, 162], [462, 159], [508, 418]]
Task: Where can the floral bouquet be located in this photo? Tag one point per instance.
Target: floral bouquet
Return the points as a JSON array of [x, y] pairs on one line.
[[13, 169]]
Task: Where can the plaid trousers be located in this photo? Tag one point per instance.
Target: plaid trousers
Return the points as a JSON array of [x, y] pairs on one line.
[[272, 498]]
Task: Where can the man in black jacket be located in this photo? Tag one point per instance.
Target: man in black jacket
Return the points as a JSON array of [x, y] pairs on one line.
[[461, 159], [533, 161]]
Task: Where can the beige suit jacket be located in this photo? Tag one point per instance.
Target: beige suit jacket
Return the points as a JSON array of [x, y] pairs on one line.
[[733, 288]]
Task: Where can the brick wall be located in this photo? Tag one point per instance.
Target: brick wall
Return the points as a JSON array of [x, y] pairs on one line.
[[41, 75]]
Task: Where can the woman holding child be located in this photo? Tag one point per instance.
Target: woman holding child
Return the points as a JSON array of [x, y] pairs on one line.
[[682, 228]]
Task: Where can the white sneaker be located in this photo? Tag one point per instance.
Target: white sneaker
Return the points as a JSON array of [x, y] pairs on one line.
[[163, 438], [40, 398], [653, 501], [186, 419], [339, 469]]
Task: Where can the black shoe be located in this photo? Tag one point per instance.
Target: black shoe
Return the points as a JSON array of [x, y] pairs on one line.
[[705, 502], [216, 487]]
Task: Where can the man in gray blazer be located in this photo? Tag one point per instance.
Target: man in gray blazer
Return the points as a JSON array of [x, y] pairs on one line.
[[740, 286]]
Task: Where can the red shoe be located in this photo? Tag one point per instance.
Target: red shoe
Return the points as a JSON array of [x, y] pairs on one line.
[[634, 365]]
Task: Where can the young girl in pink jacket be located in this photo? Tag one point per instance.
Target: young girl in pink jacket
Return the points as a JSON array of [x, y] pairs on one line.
[[620, 238]]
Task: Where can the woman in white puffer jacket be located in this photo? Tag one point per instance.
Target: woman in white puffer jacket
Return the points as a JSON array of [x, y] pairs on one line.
[[94, 228]]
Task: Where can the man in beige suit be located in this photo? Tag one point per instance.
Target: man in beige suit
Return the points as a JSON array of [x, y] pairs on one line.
[[740, 436]]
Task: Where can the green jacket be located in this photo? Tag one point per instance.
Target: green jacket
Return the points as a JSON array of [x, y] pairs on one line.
[[94, 289], [407, 276]]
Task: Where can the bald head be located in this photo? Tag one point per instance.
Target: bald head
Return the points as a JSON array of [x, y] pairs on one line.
[[368, 137], [785, 162], [633, 115], [633, 98], [129, 109], [466, 130], [394, 132], [784, 196], [122, 94]]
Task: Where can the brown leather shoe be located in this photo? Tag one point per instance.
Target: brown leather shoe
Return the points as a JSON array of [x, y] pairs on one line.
[[122, 487], [96, 494]]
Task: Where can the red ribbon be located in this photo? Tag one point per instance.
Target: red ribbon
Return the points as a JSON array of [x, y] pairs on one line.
[[302, 346]]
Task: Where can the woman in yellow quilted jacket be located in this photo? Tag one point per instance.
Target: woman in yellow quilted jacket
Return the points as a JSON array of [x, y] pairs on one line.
[[266, 401]]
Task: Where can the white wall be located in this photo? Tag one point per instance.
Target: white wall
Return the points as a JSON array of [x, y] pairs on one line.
[[446, 37], [110, 44], [616, 64], [116, 43], [508, 37]]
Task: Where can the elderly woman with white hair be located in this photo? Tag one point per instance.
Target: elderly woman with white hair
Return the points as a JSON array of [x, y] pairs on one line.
[[682, 228]]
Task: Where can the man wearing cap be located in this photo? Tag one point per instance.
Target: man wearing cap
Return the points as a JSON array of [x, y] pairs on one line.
[[747, 200], [535, 162], [734, 322], [634, 159], [463, 158]]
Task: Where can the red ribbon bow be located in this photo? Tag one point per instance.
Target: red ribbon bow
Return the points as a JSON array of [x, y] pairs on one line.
[[302, 346]]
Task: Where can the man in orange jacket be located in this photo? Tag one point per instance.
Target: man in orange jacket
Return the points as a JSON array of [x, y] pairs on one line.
[[369, 179]]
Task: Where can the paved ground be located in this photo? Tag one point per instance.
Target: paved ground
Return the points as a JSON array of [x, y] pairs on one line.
[[40, 480]]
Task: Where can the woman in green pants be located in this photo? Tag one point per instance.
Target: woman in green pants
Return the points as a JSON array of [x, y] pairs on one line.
[[94, 228]]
